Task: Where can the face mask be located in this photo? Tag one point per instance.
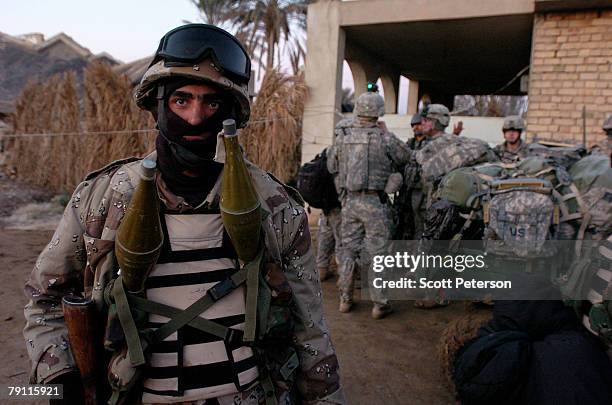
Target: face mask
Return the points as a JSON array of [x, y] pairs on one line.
[[189, 154]]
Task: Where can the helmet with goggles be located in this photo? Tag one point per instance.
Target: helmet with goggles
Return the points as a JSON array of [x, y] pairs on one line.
[[201, 52]]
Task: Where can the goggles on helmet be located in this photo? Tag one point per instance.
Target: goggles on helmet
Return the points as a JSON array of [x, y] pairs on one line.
[[193, 42]]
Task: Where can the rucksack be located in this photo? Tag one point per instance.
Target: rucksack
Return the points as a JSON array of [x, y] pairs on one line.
[[449, 152], [562, 156], [316, 184], [518, 204]]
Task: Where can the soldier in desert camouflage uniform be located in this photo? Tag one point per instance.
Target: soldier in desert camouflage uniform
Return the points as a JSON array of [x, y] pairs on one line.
[[362, 158], [513, 146], [189, 98]]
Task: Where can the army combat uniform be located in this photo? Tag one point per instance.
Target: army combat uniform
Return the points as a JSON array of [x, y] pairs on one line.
[[507, 156], [362, 159], [328, 238], [515, 123], [81, 258]]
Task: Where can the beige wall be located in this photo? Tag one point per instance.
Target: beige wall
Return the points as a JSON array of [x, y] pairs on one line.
[[389, 11], [571, 67]]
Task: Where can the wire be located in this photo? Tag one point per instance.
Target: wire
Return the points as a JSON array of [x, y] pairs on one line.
[[136, 131]]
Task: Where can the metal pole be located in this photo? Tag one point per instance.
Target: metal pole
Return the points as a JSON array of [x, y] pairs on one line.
[[584, 125]]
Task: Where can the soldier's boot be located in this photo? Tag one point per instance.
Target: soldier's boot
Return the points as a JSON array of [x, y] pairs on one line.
[[324, 273], [346, 303], [379, 311]]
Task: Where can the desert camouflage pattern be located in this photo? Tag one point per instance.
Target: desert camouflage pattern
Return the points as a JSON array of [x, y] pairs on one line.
[[507, 156], [145, 92], [369, 104], [363, 156], [366, 231], [328, 238], [80, 257], [513, 122]]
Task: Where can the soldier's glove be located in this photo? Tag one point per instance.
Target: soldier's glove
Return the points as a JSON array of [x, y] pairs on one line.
[[72, 389]]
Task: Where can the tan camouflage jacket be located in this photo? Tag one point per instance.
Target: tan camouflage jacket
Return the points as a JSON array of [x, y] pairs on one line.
[[508, 157], [81, 256]]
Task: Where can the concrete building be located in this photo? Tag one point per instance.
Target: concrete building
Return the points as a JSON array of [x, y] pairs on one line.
[[555, 51]]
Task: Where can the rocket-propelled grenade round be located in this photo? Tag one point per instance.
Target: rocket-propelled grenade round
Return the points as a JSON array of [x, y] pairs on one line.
[[240, 207], [139, 237]]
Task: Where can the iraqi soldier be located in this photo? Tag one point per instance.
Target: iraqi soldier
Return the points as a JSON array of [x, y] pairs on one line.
[[513, 146], [197, 79], [363, 158]]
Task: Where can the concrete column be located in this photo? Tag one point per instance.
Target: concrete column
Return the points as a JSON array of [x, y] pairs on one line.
[[360, 78], [391, 89], [413, 97], [324, 56]]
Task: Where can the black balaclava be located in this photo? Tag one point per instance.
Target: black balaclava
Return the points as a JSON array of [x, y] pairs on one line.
[[176, 155]]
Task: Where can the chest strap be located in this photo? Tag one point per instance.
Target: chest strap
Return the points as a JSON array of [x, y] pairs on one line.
[[249, 274]]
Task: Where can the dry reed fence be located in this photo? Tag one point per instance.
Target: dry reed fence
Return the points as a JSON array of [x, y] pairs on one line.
[[272, 140], [59, 162]]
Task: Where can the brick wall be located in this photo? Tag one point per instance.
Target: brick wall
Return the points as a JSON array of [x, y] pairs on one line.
[[571, 67]]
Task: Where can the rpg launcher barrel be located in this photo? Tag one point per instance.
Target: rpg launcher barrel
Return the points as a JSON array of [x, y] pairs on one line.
[[80, 316], [240, 207], [139, 237]]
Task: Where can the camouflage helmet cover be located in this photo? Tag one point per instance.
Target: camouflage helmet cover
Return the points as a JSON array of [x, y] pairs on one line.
[[513, 122], [206, 71], [437, 112], [607, 125], [370, 104]]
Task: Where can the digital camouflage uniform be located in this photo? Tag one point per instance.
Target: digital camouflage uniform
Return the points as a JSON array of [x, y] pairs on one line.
[[507, 156], [328, 238], [514, 122], [80, 257], [411, 197], [362, 159]]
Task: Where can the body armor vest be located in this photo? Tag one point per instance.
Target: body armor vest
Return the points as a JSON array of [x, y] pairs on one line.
[[191, 364], [364, 163]]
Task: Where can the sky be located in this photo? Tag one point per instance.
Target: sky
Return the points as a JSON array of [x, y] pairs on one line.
[[128, 29]]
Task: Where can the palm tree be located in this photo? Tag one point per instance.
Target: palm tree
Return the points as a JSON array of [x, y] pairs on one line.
[[214, 11], [262, 25]]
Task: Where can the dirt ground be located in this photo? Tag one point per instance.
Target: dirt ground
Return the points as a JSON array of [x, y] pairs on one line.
[[391, 361]]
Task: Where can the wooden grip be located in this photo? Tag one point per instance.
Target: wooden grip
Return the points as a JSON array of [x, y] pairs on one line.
[[80, 318]]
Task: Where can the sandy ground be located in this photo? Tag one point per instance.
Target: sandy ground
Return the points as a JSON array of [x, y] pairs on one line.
[[391, 361]]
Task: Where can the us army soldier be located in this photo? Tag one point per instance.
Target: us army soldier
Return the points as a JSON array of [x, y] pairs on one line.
[[513, 146], [363, 158]]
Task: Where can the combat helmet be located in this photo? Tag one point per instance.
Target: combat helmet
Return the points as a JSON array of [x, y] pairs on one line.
[[437, 112], [607, 125], [369, 104], [513, 122], [201, 52]]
